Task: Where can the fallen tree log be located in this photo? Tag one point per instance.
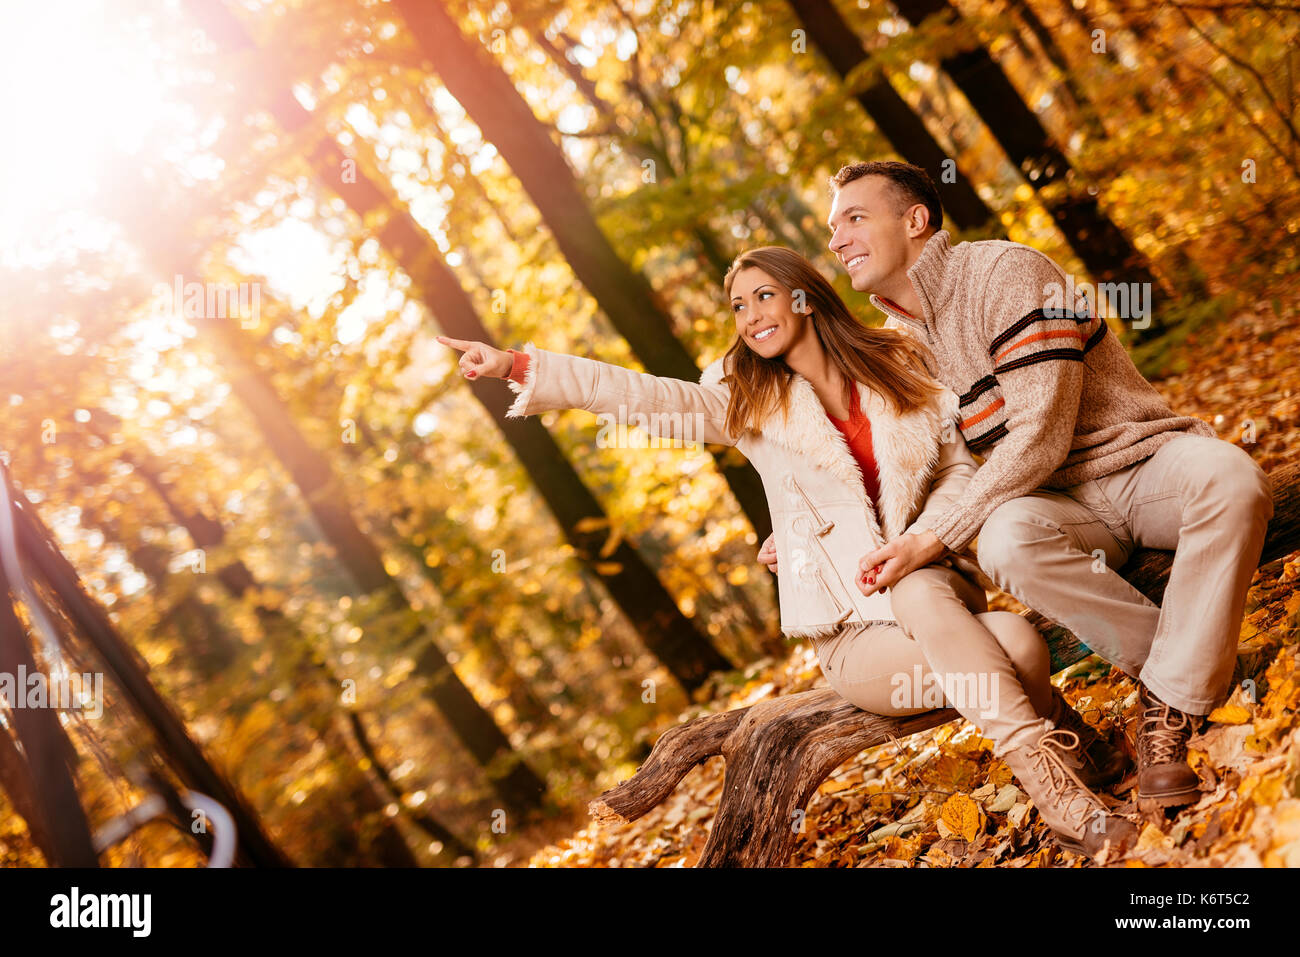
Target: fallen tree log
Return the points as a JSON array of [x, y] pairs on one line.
[[779, 751]]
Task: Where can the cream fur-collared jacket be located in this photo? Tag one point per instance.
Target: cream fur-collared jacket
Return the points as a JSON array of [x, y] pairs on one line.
[[822, 518]]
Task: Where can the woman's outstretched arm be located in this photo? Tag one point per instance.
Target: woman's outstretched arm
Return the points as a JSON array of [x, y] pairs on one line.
[[662, 406]]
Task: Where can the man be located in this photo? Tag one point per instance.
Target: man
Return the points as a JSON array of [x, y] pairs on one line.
[[1083, 463]]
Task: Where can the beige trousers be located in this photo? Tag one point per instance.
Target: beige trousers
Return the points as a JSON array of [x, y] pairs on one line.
[[993, 667], [1056, 551]]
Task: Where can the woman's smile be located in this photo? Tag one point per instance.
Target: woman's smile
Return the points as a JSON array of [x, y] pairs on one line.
[[763, 311]]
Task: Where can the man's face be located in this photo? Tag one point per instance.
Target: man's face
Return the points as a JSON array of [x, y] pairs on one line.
[[868, 234]]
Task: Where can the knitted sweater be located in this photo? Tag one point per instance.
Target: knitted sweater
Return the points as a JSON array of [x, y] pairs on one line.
[[857, 430], [1048, 396]]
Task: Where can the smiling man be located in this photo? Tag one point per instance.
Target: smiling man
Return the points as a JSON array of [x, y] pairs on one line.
[[1083, 463]]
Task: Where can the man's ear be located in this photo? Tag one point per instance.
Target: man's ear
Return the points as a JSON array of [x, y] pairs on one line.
[[918, 220]]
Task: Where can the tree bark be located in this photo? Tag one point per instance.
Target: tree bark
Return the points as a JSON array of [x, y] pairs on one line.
[[685, 651], [255, 847], [324, 495], [314, 675], [39, 780], [20, 786], [893, 117], [1104, 249], [626, 296], [711, 246]]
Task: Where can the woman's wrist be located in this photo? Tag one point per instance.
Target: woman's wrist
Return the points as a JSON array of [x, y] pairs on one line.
[[518, 365]]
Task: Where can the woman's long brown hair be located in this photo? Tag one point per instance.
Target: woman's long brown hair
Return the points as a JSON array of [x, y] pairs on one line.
[[887, 361]]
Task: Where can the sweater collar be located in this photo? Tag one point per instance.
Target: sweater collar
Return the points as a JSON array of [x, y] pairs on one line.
[[932, 280]]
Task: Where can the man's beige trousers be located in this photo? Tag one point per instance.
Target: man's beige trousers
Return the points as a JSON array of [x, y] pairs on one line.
[[1057, 551]]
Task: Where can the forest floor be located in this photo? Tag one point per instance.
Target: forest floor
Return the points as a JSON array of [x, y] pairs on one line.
[[909, 803]]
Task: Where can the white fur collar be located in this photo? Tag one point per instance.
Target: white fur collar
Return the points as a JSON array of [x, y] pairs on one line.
[[906, 447]]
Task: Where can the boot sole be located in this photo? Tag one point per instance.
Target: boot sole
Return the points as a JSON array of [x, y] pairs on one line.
[[1159, 802], [1074, 847]]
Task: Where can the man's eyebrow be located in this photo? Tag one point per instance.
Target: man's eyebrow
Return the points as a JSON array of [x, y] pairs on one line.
[[845, 212]]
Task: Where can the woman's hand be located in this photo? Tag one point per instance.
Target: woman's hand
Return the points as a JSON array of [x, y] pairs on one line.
[[767, 554], [886, 566], [480, 360]]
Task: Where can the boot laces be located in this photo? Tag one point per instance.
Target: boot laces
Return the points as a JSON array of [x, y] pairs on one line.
[[1163, 740], [1060, 779], [1068, 719]]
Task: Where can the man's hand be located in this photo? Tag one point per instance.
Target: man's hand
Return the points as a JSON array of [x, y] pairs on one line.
[[767, 554], [480, 361], [886, 566]]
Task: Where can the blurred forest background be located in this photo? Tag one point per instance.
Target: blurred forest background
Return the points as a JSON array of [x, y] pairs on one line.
[[321, 567]]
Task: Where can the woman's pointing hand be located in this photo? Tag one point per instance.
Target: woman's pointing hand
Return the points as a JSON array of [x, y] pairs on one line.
[[480, 360]]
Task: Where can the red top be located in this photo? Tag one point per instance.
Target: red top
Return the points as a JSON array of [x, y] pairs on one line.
[[857, 430]]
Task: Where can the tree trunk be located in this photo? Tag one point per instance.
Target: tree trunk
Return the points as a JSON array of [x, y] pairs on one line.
[[210, 647], [503, 671], [1105, 251], [123, 666], [324, 495], [313, 673], [685, 651], [20, 786], [1186, 274], [625, 296], [893, 117], [1085, 26], [1081, 105], [711, 246], [40, 780]]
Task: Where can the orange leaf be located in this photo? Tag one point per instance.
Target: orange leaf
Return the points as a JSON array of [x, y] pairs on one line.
[[963, 816]]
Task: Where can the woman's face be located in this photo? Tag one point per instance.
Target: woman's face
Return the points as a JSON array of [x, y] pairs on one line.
[[768, 317]]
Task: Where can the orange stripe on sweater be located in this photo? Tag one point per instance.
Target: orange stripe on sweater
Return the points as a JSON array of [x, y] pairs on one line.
[[976, 419], [1051, 334]]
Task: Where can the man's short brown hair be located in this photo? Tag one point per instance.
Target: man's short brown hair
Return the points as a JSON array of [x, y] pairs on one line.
[[911, 185]]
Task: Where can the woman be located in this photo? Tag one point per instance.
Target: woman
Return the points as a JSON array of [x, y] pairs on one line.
[[855, 444]]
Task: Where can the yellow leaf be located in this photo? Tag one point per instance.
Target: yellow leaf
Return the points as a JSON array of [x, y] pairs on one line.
[[1152, 837], [1230, 714], [963, 816], [611, 544]]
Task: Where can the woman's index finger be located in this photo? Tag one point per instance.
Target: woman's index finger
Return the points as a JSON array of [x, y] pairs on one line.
[[460, 344]]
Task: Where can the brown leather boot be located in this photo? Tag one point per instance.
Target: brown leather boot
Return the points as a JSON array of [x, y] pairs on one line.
[[1165, 779], [1048, 771], [1102, 762]]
